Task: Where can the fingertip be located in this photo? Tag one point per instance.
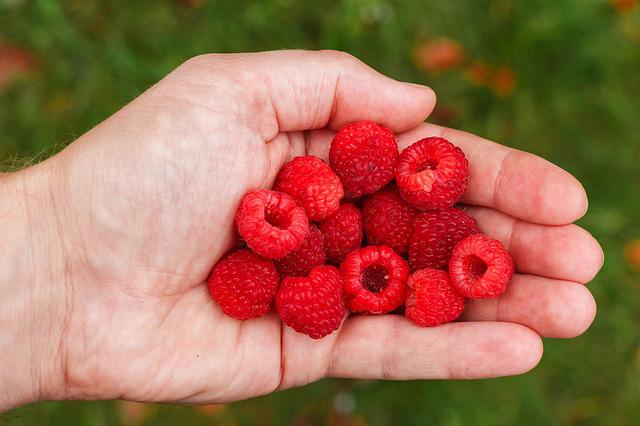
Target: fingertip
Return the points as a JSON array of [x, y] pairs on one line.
[[422, 100], [428, 95], [432, 95], [569, 201], [580, 202], [585, 200], [585, 312], [519, 353], [569, 311], [530, 352], [590, 258]]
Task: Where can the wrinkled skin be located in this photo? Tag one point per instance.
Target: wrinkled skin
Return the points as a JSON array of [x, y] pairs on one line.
[[107, 297]]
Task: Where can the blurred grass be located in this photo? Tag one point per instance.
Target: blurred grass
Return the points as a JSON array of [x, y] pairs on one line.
[[559, 79]]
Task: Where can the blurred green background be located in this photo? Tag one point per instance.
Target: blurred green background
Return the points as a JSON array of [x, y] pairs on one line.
[[560, 79]]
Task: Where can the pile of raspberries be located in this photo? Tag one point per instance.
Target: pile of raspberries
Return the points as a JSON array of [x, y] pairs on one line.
[[305, 248]]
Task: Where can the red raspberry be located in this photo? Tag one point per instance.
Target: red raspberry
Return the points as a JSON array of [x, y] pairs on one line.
[[310, 254], [388, 220], [364, 155], [244, 284], [312, 305], [312, 183], [343, 232], [374, 279], [431, 299], [271, 223], [432, 174], [435, 233], [480, 267]]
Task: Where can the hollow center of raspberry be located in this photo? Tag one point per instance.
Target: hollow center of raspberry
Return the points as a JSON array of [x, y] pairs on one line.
[[429, 164], [476, 267], [276, 219], [374, 278]]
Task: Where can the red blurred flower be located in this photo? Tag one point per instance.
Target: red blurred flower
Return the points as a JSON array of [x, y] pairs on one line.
[[503, 81], [479, 73], [14, 62], [632, 254], [624, 6], [439, 55]]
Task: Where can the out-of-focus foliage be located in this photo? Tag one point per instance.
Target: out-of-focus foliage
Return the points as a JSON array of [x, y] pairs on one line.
[[560, 79]]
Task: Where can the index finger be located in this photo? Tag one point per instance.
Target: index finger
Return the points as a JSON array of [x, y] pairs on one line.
[[515, 182]]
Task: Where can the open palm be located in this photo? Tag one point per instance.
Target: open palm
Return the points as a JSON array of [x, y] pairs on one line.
[[147, 205]]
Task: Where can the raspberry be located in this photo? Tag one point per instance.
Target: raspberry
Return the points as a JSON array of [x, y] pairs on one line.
[[435, 233], [343, 232], [432, 174], [364, 154], [312, 183], [480, 267], [244, 284], [310, 254], [374, 279], [312, 305], [388, 220], [431, 299], [271, 223]]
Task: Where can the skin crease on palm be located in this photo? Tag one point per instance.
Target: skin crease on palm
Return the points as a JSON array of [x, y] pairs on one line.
[[105, 297]]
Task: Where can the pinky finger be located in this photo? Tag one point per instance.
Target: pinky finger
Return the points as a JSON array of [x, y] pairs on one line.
[[391, 348]]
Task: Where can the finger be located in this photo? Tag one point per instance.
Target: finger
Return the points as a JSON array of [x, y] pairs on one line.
[[552, 308], [518, 183], [515, 182], [565, 252], [390, 347], [296, 90]]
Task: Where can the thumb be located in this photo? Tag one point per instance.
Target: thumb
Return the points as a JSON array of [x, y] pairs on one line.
[[295, 90]]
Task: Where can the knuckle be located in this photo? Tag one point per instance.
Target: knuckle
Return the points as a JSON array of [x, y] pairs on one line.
[[338, 56], [203, 59], [199, 62]]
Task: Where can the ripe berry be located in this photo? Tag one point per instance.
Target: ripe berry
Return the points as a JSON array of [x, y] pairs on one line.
[[435, 233], [364, 154], [312, 183], [480, 267], [432, 174], [313, 304], [271, 223], [244, 284], [374, 279], [431, 299], [310, 254], [388, 220], [343, 232]]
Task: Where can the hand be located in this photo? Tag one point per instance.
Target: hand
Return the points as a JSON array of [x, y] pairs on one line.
[[129, 219]]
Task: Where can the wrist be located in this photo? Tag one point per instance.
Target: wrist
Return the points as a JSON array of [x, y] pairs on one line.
[[33, 303]]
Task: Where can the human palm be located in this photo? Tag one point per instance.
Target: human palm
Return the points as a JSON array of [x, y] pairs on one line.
[[147, 208]]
